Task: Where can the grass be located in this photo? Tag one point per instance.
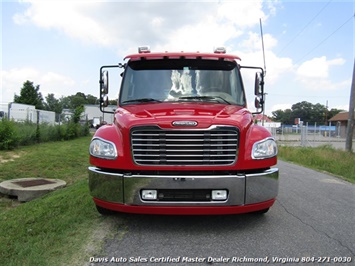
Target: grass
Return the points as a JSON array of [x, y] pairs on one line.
[[52, 229], [322, 158], [67, 160]]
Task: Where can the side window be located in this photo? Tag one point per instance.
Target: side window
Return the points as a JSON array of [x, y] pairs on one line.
[[128, 87]]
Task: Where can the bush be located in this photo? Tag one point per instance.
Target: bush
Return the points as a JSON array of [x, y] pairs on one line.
[[8, 135], [27, 133], [14, 134]]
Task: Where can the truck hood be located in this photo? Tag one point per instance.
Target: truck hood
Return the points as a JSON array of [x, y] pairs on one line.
[[202, 115]]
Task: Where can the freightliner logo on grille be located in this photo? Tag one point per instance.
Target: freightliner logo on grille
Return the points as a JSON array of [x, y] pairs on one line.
[[184, 123]]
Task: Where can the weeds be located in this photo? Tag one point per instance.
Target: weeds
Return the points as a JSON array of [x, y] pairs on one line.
[[13, 134], [323, 158]]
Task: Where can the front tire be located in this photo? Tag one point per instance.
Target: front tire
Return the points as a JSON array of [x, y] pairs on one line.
[[104, 211], [261, 212]]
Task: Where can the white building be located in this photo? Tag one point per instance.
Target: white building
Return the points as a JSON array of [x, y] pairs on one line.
[[93, 112], [24, 112], [4, 109]]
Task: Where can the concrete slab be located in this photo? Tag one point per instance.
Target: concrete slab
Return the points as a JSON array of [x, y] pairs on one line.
[[27, 189]]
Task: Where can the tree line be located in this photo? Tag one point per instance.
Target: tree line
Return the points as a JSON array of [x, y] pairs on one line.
[[307, 112], [14, 134], [30, 94]]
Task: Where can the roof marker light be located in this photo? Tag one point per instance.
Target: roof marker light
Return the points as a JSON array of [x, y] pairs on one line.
[[144, 49], [220, 50]]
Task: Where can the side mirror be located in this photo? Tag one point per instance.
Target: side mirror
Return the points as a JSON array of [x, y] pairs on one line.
[[104, 101], [259, 84], [104, 89], [258, 102], [104, 86], [258, 88], [104, 82]]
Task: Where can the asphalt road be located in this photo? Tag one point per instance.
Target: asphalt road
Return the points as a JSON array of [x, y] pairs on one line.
[[313, 220]]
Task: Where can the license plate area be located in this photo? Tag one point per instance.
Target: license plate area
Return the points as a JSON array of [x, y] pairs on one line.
[[178, 195], [184, 195]]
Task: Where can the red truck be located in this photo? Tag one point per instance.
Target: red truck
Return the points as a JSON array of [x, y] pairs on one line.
[[183, 141]]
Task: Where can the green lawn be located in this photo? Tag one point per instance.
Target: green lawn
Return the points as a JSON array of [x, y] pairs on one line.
[[54, 229], [322, 158], [50, 230]]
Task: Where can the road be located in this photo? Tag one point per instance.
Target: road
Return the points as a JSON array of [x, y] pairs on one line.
[[312, 219]]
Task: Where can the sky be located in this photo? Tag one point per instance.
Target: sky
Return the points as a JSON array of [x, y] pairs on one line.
[[61, 45]]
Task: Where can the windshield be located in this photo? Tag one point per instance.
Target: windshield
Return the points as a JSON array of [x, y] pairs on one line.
[[181, 80]]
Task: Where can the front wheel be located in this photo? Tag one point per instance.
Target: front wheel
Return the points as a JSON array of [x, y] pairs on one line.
[[104, 211], [261, 212]]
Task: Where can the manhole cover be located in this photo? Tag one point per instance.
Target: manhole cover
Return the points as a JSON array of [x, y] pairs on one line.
[[27, 189], [32, 183]]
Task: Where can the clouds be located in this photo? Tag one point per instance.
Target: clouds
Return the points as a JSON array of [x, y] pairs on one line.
[[65, 42], [165, 26], [174, 25], [253, 56], [71, 18], [318, 67], [49, 82], [314, 74]]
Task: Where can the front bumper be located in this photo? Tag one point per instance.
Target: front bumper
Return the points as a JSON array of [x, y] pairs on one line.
[[122, 192]]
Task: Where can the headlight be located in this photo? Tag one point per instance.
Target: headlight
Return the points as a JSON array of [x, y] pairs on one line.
[[103, 149], [263, 149]]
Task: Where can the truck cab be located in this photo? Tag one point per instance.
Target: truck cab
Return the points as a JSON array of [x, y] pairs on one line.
[[183, 141]]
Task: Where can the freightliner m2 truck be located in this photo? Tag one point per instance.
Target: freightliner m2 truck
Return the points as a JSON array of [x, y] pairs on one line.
[[182, 141]]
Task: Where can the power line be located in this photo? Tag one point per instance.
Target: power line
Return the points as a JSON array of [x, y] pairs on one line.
[[306, 26], [319, 44], [302, 95]]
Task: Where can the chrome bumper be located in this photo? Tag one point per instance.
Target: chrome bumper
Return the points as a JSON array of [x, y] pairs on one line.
[[126, 188]]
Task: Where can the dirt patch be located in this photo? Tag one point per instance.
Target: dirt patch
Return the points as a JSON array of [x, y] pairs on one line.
[[10, 157], [101, 232]]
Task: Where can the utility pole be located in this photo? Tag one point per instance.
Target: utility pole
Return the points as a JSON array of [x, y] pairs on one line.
[[262, 122], [350, 127], [326, 113]]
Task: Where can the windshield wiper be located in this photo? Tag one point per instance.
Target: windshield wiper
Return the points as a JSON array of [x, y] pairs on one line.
[[203, 98], [143, 100]]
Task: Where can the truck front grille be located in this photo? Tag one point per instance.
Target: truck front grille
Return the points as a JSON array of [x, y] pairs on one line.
[[152, 145]]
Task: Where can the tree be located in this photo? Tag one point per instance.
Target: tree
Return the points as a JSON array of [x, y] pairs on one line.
[[91, 99], [53, 104], [77, 113], [285, 117], [77, 100], [303, 110], [30, 95], [65, 102], [113, 102], [332, 112], [307, 112]]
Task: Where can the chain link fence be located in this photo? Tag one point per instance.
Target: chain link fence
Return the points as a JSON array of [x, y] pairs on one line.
[[309, 136]]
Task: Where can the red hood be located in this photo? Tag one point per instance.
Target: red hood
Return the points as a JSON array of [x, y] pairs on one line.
[[163, 114]]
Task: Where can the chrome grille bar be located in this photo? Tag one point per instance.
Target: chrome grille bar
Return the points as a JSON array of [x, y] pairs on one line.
[[152, 145]]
